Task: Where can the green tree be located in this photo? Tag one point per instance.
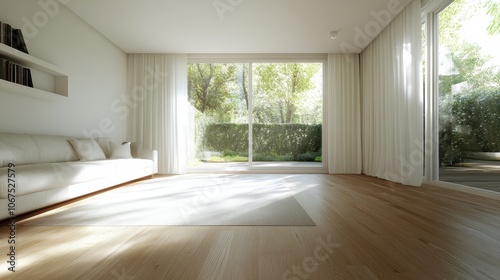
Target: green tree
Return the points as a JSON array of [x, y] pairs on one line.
[[451, 21], [244, 86], [469, 64], [280, 89], [211, 88], [493, 10]]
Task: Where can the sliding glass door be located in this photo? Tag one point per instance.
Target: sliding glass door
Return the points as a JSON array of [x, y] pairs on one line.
[[218, 97], [465, 93], [287, 114], [256, 115]]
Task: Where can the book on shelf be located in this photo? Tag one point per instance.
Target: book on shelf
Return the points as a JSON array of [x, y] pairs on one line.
[[6, 34], [15, 73], [22, 43], [12, 37], [28, 80], [3, 69]]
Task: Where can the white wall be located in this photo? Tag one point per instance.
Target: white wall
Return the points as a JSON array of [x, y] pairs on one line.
[[424, 2], [97, 71]]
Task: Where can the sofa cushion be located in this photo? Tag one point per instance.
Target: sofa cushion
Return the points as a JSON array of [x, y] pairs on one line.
[[105, 146], [87, 149], [18, 149], [54, 149], [120, 151], [28, 149]]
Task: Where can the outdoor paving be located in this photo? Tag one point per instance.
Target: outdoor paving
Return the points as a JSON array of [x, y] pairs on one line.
[[262, 165], [474, 173]]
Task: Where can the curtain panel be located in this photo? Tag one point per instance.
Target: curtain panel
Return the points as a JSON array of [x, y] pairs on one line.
[[344, 119], [392, 101], [158, 100]]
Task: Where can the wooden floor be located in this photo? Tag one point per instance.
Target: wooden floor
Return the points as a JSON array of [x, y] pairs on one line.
[[365, 229]]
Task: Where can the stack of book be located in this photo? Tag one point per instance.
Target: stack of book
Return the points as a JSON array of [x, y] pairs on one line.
[[15, 73], [9, 70], [12, 37]]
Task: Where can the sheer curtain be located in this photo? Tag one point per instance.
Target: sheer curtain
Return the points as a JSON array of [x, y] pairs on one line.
[[158, 102], [392, 101], [344, 120]]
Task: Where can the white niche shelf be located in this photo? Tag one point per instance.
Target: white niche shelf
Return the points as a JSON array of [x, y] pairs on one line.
[[26, 60]]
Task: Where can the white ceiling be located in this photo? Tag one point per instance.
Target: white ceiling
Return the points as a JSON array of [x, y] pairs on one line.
[[240, 26]]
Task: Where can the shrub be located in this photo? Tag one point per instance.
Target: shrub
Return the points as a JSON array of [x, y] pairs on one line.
[[269, 140], [234, 154], [306, 157], [226, 137], [469, 122], [271, 157]]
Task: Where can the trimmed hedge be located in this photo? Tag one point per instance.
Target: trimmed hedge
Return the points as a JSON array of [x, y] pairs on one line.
[[470, 122], [277, 139]]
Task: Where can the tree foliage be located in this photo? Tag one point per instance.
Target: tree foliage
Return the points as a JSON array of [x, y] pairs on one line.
[[471, 68], [493, 10], [451, 21], [470, 65], [280, 90], [220, 91], [211, 88]]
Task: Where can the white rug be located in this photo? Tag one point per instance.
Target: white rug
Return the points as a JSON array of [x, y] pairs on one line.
[[219, 200]]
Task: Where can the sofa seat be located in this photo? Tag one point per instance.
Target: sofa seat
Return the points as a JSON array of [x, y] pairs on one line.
[[130, 165], [48, 169], [38, 177], [45, 176]]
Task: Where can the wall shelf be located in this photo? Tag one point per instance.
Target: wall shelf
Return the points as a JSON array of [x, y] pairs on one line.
[[28, 91], [26, 60]]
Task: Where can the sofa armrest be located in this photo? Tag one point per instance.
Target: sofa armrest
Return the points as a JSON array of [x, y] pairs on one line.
[[152, 155]]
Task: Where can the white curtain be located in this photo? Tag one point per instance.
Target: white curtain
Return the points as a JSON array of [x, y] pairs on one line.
[[392, 101], [344, 120], [158, 98]]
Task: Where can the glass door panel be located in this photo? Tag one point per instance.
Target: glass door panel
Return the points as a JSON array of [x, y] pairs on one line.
[[469, 94], [218, 94], [287, 114]]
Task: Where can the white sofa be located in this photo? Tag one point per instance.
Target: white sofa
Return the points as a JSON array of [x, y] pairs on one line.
[[52, 169]]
